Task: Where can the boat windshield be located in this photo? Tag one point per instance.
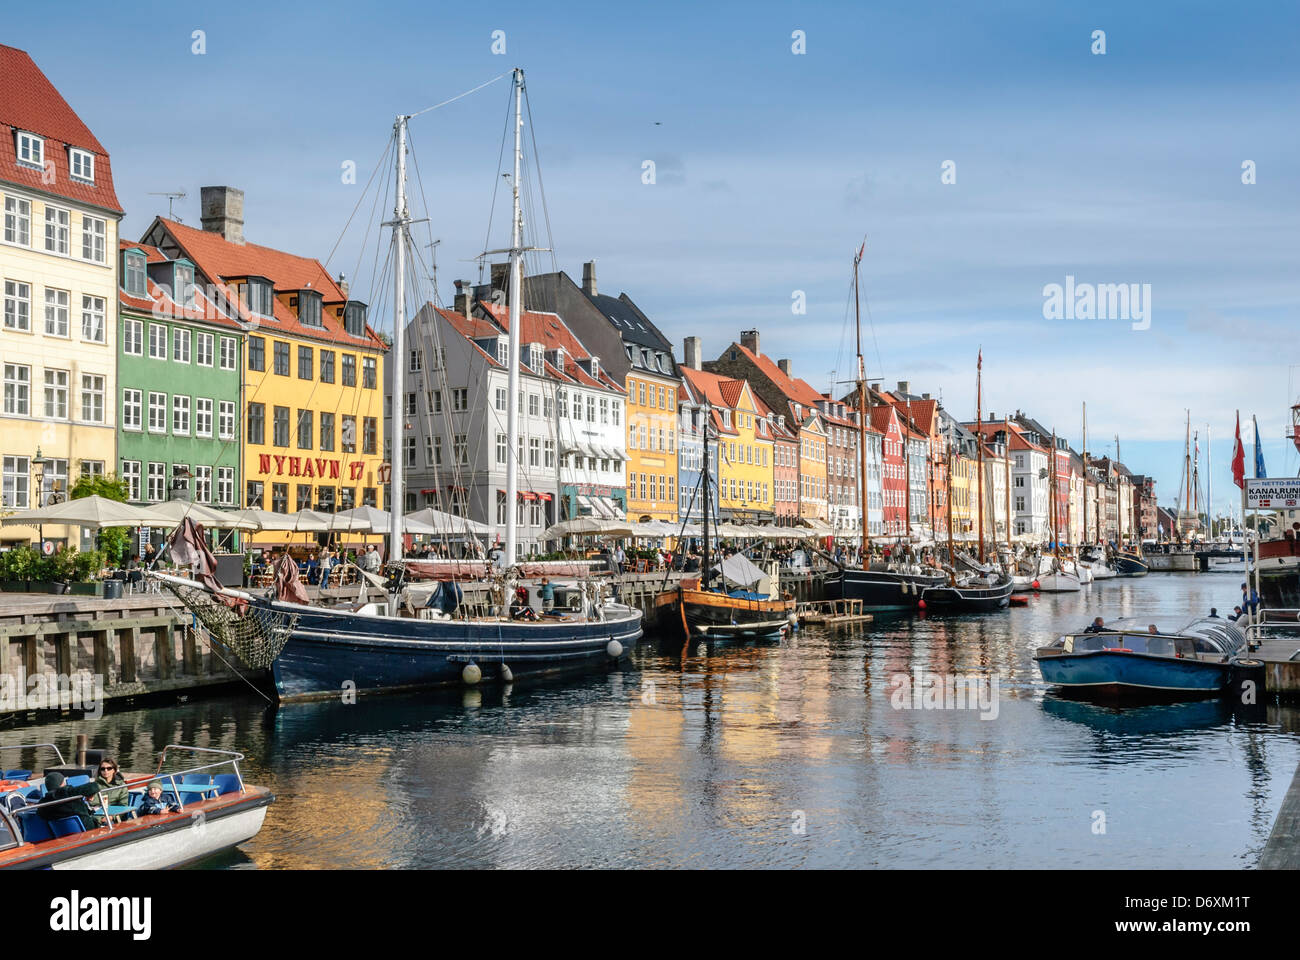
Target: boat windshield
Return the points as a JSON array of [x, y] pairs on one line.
[[1160, 645]]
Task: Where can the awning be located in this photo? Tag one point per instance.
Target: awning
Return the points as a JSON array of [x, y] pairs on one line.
[[584, 503]]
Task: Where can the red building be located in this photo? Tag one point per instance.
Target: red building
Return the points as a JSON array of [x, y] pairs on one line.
[[893, 479]]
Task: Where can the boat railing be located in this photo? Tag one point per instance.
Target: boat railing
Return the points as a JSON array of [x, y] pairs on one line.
[[35, 746]]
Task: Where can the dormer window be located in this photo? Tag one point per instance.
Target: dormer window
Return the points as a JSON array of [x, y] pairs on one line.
[[354, 319], [309, 304], [82, 165], [503, 352], [536, 358], [183, 286], [133, 273], [31, 150], [255, 294], [631, 354], [595, 367], [645, 358], [661, 362]]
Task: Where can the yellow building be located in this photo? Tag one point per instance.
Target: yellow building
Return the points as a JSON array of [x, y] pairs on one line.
[[313, 390], [962, 502], [812, 469], [744, 444], [651, 446], [58, 284]]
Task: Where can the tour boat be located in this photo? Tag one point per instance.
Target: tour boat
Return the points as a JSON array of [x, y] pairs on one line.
[[218, 811], [320, 652], [1128, 658]]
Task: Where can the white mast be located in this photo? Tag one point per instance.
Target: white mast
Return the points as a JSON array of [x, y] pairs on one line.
[[512, 412], [401, 218]]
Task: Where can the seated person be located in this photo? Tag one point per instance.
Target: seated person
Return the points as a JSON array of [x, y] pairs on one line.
[[56, 788], [153, 802], [112, 784], [1097, 626], [519, 608]]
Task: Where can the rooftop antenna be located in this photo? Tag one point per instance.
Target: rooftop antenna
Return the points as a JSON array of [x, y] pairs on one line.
[[172, 196]]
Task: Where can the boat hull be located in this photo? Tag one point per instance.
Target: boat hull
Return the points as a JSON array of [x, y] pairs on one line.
[[967, 599], [1058, 583], [1127, 565], [332, 654], [717, 616], [1279, 583], [880, 589], [1111, 673]]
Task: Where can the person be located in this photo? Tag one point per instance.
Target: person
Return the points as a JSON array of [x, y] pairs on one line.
[[1236, 614], [56, 788], [370, 562], [326, 565], [519, 608], [150, 556], [1097, 626], [112, 784], [1151, 628], [548, 595], [1249, 599], [1214, 613], [620, 558], [153, 803], [692, 564]]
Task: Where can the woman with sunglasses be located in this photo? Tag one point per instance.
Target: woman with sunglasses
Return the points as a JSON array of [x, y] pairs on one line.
[[112, 784]]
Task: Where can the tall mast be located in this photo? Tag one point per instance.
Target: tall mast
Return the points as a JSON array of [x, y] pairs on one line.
[[512, 408], [979, 444], [1209, 480], [907, 472], [1119, 501], [397, 499], [1006, 454], [1085, 471], [1187, 466], [708, 417], [952, 556], [1056, 539], [862, 412]]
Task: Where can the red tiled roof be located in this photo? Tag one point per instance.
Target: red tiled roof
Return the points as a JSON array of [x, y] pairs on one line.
[[881, 416], [29, 102], [795, 389], [220, 260]]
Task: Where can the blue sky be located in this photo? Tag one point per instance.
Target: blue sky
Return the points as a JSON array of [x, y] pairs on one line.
[[1122, 167]]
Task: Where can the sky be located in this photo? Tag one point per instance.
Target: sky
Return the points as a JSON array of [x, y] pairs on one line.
[[771, 167]]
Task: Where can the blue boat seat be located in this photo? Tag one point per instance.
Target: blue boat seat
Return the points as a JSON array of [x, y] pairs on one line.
[[228, 782], [36, 829], [17, 775], [203, 778], [66, 826], [78, 780]]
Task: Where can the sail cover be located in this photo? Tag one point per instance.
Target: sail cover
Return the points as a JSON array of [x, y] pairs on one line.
[[739, 570]]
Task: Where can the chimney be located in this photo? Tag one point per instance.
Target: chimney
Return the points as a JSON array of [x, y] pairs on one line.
[[693, 350], [749, 340], [903, 386], [464, 298], [501, 281], [784, 365], [589, 278], [221, 210], [343, 285]]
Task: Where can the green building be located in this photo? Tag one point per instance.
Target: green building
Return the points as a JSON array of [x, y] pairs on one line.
[[179, 360]]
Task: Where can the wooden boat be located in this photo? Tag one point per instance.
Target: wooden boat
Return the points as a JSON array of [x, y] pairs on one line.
[[1130, 563], [226, 813], [1127, 659]]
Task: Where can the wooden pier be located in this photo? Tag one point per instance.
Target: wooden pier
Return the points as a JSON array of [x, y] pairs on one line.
[[832, 613], [1282, 851]]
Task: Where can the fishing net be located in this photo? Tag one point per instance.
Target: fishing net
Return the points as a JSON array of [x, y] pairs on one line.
[[254, 632]]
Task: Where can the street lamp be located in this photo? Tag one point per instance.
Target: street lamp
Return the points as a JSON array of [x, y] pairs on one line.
[[39, 463]]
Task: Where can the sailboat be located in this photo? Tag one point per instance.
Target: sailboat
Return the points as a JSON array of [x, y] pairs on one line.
[[318, 652], [990, 590], [877, 586], [1056, 579], [1128, 560], [744, 612]]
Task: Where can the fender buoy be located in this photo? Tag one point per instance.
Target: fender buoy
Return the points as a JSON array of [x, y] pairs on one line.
[[920, 604], [507, 675], [614, 649], [471, 674], [1035, 585]]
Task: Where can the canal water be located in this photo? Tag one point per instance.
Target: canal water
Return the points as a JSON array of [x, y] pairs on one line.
[[802, 753]]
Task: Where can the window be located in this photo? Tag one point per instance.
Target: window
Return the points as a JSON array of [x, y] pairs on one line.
[[254, 493], [591, 409], [325, 499], [226, 419], [203, 346], [226, 485], [18, 305], [305, 363], [348, 435], [157, 481], [460, 449], [92, 319], [202, 417], [434, 401], [280, 427], [157, 412], [417, 360], [368, 368], [306, 429], [615, 413], [181, 416], [92, 398], [92, 239], [18, 385], [257, 423], [82, 164], [304, 496], [534, 450], [604, 410], [327, 366], [227, 353], [550, 453], [132, 410], [502, 447], [157, 341], [56, 312], [56, 394], [31, 149], [203, 484], [92, 468], [410, 405], [256, 353], [279, 498], [257, 297], [436, 459], [408, 449], [133, 337], [354, 319], [534, 405], [460, 399], [369, 435], [18, 221], [501, 399], [17, 480], [309, 308], [181, 342], [56, 230], [281, 358], [349, 370], [131, 474]]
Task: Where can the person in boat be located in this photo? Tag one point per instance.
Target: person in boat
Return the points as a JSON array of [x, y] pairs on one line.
[[519, 608], [1236, 614], [112, 784], [56, 788], [1097, 626], [371, 561], [1214, 613], [692, 564], [1151, 628], [153, 804], [1249, 599], [548, 595]]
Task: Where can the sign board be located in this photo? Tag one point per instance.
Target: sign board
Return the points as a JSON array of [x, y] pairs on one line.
[[47, 548], [1273, 494]]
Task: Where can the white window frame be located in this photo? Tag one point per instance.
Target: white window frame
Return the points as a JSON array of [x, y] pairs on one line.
[[81, 164], [59, 219], [33, 146], [226, 485], [229, 353], [181, 335], [203, 483], [130, 327], [18, 221], [94, 238], [18, 390], [18, 306], [92, 310], [132, 409], [181, 407], [53, 309], [202, 414], [131, 476], [60, 394], [161, 476], [155, 341], [226, 420], [158, 406], [92, 397], [200, 339]]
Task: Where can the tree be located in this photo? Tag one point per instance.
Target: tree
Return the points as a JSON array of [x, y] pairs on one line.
[[112, 541]]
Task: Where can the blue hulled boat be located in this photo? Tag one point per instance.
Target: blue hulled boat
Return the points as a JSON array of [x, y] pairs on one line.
[[1129, 658]]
